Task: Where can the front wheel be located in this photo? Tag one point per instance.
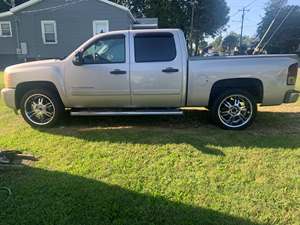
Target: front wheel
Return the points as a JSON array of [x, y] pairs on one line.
[[234, 110], [41, 108]]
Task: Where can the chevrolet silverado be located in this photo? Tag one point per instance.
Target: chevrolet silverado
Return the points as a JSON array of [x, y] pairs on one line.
[[148, 72]]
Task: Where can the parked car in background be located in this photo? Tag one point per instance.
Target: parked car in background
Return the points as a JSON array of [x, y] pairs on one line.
[[148, 72]]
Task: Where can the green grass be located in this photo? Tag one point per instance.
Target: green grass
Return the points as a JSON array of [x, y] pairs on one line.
[[1, 80], [153, 170]]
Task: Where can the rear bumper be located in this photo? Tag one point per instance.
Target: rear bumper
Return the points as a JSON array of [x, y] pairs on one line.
[[291, 96], [8, 95]]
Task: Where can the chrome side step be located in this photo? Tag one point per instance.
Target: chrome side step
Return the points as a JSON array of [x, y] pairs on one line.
[[126, 113]]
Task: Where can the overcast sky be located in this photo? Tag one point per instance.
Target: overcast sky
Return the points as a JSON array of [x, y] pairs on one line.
[[253, 17]]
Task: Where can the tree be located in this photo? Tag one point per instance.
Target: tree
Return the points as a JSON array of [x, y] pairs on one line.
[[137, 7], [230, 42], [210, 18], [217, 43], [5, 5], [287, 38]]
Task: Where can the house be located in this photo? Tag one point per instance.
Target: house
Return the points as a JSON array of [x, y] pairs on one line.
[[42, 29]]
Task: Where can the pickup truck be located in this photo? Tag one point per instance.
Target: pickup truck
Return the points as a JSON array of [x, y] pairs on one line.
[[148, 72]]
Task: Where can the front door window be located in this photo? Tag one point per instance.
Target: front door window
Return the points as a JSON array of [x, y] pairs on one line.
[[107, 50]]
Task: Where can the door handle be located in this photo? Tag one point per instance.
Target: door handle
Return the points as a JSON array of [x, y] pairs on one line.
[[118, 72], [170, 70]]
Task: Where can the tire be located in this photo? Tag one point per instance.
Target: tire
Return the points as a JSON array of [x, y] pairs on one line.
[[41, 108], [234, 110]]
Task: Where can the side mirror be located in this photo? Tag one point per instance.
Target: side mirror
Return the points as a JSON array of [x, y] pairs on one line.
[[77, 61]]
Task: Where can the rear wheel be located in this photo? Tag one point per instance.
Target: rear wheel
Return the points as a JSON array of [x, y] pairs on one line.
[[234, 110], [41, 108]]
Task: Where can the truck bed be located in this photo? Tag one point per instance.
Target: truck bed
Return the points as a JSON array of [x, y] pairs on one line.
[[293, 56]]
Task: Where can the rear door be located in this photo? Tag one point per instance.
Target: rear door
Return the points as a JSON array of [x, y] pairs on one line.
[[156, 69]]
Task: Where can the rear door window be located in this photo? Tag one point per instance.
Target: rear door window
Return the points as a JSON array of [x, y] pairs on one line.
[[154, 47]]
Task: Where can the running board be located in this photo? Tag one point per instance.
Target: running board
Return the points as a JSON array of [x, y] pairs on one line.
[[126, 113]]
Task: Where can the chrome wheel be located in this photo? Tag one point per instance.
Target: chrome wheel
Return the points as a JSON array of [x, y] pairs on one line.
[[39, 109], [235, 111]]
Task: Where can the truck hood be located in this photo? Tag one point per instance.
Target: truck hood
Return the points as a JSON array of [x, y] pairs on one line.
[[41, 63]]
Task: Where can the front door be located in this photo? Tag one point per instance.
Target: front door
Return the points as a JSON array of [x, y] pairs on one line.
[[103, 78], [156, 70]]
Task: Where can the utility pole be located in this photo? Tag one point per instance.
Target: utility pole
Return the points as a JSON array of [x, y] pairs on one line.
[[244, 11]]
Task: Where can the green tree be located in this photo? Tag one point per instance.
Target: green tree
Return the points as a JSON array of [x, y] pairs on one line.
[[217, 43], [248, 43], [230, 42], [5, 5], [210, 18], [287, 38]]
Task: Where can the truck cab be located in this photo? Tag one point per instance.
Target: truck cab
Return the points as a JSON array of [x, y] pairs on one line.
[[128, 69]]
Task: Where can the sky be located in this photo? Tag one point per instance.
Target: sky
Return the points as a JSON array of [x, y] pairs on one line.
[[252, 18]]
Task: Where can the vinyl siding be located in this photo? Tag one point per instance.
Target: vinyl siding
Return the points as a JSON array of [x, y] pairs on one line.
[[8, 45]]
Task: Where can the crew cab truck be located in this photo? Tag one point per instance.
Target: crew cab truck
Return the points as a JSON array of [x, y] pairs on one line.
[[148, 72]]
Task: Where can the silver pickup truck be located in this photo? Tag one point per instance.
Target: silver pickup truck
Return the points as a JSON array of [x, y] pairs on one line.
[[148, 72]]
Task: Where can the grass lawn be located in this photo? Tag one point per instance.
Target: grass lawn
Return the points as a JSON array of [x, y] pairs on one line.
[[153, 170]]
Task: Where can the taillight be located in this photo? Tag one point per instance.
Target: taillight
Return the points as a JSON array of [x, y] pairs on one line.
[[292, 75]]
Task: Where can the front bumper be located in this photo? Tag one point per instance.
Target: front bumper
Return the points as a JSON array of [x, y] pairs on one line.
[[8, 95], [291, 96]]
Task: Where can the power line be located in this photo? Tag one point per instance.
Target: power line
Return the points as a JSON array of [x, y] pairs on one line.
[[280, 25], [251, 3], [246, 6], [269, 28]]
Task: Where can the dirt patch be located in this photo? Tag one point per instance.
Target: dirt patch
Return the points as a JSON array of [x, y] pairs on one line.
[[288, 108]]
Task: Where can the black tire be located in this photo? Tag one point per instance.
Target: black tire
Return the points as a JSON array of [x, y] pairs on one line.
[[243, 116], [56, 105]]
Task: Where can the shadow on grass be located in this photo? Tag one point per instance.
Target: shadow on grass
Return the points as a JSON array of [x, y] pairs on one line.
[[194, 128], [48, 197], [15, 159]]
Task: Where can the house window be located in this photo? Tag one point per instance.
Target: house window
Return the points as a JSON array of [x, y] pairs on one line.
[[49, 32], [100, 26], [5, 29]]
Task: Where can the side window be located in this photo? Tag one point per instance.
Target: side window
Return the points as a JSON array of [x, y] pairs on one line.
[[152, 47], [106, 50]]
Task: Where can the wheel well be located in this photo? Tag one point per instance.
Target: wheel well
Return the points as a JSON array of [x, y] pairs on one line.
[[251, 85], [23, 88]]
